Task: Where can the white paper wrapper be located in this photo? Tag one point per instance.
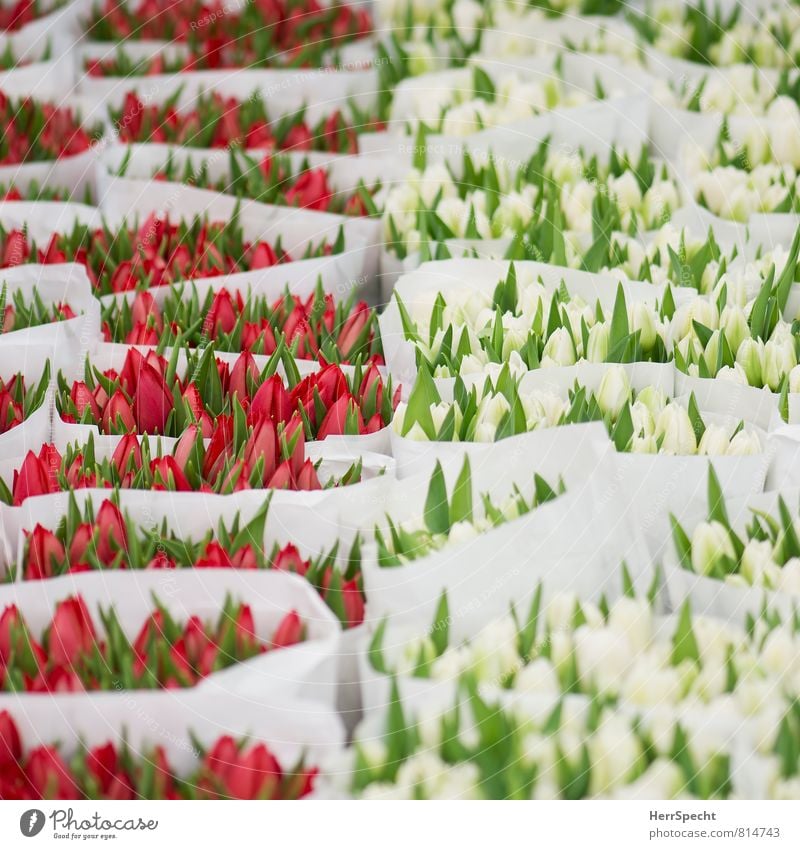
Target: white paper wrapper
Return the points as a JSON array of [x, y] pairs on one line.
[[148, 719], [68, 341], [59, 29], [308, 669], [44, 218], [785, 468], [285, 91], [587, 527]]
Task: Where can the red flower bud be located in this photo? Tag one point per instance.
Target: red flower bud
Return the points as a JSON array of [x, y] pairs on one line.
[[145, 312], [83, 398], [298, 138], [71, 632], [113, 535], [353, 603], [152, 401], [167, 474], [49, 776], [215, 557], [288, 559], [289, 631], [10, 743], [334, 423], [45, 554], [272, 401], [221, 317], [282, 479], [33, 478], [310, 191], [244, 371], [307, 479], [127, 455], [262, 256], [118, 415], [245, 558], [81, 541]]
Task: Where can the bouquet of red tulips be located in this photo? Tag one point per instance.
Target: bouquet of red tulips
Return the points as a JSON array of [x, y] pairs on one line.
[[72, 656], [14, 16], [215, 121], [18, 401], [227, 770], [146, 396], [312, 328], [41, 132], [262, 33], [269, 179], [236, 459], [108, 538], [29, 311], [157, 253]]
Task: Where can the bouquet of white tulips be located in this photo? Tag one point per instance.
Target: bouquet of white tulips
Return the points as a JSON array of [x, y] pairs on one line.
[[553, 193], [524, 325], [644, 421]]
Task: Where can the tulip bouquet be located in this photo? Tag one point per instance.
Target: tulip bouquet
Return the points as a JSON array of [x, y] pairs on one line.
[[453, 519], [757, 174], [467, 101], [29, 310], [33, 191], [752, 345], [555, 196], [15, 16], [108, 538], [146, 396], [764, 553], [75, 654], [272, 180], [482, 748], [642, 422], [233, 461], [261, 34], [18, 400], [229, 769], [215, 121], [739, 90], [717, 35], [524, 325], [617, 653], [311, 328], [156, 253], [41, 132]]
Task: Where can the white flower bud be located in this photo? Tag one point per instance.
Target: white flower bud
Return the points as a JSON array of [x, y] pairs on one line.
[[710, 542], [676, 427]]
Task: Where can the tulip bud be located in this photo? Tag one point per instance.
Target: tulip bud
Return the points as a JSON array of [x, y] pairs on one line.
[[710, 542], [10, 744], [112, 532], [643, 319], [734, 323], [45, 554], [289, 632], [71, 632], [152, 401], [614, 391], [794, 379], [745, 443], [597, 344], [714, 441], [48, 775], [779, 360], [750, 357], [652, 398], [676, 428], [711, 353], [127, 455], [559, 350], [118, 415]]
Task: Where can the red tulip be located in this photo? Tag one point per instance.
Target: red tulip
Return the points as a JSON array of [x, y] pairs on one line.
[[215, 557], [80, 543], [71, 632], [83, 398], [127, 455], [289, 631], [49, 776], [167, 474], [272, 401], [113, 535], [245, 558], [152, 401], [33, 478], [288, 559], [335, 421], [118, 415], [45, 554], [262, 444], [307, 479], [310, 191], [186, 445], [10, 743], [263, 256], [244, 372], [282, 479], [353, 603], [145, 312], [221, 317], [298, 138]]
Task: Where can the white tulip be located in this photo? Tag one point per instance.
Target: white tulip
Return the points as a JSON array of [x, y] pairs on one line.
[[597, 343], [744, 443], [625, 189], [603, 657], [750, 357], [757, 561], [733, 374], [714, 441], [614, 391], [614, 750], [663, 779], [676, 428], [644, 445], [634, 618], [559, 349], [779, 360], [789, 577], [643, 421], [467, 16], [643, 319], [538, 678], [710, 542], [734, 323], [654, 399]]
